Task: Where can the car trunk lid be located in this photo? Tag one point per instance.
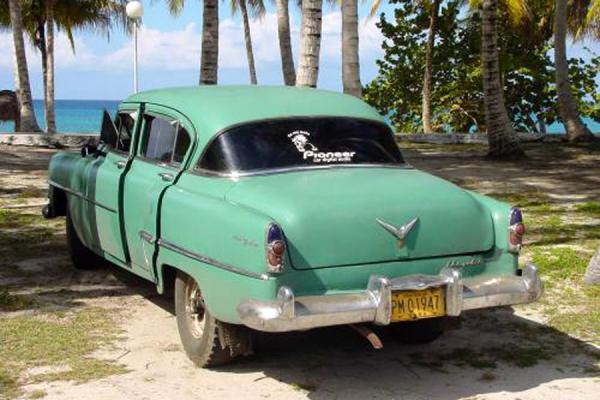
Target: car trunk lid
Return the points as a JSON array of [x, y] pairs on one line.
[[338, 216]]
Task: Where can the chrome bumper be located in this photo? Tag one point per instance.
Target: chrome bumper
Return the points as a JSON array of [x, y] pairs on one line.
[[288, 313]]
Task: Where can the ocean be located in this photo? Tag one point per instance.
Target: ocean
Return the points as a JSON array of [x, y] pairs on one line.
[[72, 116], [84, 116]]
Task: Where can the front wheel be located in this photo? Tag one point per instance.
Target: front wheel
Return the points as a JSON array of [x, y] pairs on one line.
[[207, 341]]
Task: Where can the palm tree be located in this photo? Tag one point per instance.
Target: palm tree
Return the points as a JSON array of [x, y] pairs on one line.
[[567, 106], [23, 89], [257, 8], [41, 17], [502, 138], [49, 69], [285, 43], [350, 63], [434, 9], [310, 43], [209, 57]]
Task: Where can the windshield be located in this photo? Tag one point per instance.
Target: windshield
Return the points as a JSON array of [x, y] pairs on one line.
[[301, 142]]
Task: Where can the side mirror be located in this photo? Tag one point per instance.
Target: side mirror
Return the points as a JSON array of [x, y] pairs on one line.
[[89, 149]]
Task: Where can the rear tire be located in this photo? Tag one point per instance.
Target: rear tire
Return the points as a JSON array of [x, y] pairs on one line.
[[82, 257], [419, 332], [207, 341]]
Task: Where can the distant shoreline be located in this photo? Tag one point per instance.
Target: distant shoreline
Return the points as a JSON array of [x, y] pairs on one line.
[[85, 115]]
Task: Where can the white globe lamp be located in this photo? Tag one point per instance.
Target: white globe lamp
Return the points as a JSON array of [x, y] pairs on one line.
[[135, 10]]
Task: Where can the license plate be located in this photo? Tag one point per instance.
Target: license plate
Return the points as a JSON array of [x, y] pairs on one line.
[[417, 304]]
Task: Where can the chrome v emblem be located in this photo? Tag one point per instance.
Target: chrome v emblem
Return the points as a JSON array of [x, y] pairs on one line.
[[401, 232]]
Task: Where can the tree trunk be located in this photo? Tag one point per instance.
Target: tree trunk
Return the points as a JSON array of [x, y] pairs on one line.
[[248, 41], [39, 41], [285, 43], [542, 127], [567, 108], [427, 78], [310, 43], [350, 48], [502, 138], [592, 272], [49, 93], [28, 121], [209, 59]]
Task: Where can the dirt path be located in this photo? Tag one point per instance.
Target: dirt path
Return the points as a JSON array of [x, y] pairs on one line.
[[499, 354]]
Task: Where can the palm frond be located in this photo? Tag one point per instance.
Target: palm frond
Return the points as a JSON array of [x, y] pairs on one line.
[[374, 8]]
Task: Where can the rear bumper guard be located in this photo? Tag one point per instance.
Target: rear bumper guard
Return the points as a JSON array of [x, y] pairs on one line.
[[290, 313]]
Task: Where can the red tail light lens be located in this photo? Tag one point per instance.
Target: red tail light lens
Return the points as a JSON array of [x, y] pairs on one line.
[[516, 230], [275, 248]]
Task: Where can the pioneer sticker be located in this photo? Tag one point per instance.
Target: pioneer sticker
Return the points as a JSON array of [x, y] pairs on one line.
[[301, 139]]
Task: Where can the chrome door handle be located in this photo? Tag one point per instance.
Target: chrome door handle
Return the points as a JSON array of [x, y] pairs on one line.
[[120, 164], [165, 176]]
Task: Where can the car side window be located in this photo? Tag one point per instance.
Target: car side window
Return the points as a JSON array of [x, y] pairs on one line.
[[165, 140], [124, 123], [181, 145]]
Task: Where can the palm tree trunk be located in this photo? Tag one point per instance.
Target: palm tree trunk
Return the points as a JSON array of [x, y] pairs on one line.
[[502, 138], [248, 40], [567, 109], [350, 48], [49, 94], [285, 43], [39, 41], [310, 43], [209, 59], [427, 78], [28, 121]]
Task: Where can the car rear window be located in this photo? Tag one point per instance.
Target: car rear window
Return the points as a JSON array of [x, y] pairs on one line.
[[301, 142]]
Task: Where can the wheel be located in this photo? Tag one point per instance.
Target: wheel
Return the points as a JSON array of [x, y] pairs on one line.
[[420, 331], [81, 256], [207, 341], [48, 211]]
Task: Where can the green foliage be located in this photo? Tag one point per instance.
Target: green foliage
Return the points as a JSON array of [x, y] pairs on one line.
[[457, 95], [12, 302], [55, 340], [562, 263], [591, 208]]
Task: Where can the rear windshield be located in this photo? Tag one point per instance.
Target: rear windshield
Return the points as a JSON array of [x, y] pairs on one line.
[[301, 142]]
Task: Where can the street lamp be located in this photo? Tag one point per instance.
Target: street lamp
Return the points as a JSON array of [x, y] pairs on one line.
[[135, 10]]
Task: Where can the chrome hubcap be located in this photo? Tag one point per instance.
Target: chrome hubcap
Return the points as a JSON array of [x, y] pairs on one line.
[[194, 309]]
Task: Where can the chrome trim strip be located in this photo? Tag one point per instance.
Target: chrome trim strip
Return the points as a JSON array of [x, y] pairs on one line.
[[147, 237], [207, 260], [272, 171], [80, 195], [289, 313]]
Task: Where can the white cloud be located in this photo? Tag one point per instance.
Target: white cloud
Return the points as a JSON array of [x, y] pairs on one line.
[[180, 49]]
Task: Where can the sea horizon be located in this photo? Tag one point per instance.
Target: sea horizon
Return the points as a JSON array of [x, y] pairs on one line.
[[85, 116]]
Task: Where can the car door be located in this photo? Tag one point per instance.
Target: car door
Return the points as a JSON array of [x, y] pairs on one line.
[[113, 162], [165, 143]]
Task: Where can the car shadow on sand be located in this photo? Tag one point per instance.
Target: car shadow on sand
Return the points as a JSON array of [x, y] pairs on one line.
[[493, 351]]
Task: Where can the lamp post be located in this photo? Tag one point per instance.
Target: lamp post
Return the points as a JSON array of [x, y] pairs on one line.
[[135, 10]]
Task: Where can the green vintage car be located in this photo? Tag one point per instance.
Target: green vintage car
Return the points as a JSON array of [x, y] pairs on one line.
[[280, 209]]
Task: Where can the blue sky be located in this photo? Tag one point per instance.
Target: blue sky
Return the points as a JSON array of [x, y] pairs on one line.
[[170, 53]]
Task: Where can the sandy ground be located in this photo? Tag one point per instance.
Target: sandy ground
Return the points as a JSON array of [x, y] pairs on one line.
[[332, 363]]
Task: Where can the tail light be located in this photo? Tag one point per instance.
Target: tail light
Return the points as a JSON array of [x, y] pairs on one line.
[[275, 248], [516, 230]]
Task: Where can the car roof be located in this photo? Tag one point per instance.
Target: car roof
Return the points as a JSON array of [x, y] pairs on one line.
[[212, 108]]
